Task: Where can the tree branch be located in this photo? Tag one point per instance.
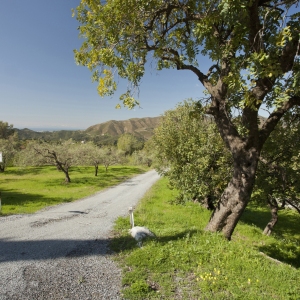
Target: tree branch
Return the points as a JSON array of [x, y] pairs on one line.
[[215, 66], [275, 117]]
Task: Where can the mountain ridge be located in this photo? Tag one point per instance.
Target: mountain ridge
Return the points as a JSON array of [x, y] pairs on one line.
[[140, 127]]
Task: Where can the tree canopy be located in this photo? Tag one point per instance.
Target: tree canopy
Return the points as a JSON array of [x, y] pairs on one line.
[[191, 153], [6, 130], [61, 154], [129, 143], [253, 47]]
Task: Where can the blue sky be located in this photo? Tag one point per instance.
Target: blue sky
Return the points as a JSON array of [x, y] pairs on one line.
[[42, 87]]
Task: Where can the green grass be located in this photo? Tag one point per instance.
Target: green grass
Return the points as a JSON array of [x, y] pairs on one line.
[[185, 262], [26, 190]]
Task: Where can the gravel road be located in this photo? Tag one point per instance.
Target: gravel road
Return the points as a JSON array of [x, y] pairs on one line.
[[61, 252]]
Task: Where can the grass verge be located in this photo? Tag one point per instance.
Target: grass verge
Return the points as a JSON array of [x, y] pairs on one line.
[[26, 190], [185, 262]]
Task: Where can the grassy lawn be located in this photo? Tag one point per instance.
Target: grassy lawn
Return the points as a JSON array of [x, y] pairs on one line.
[[26, 190], [185, 262]]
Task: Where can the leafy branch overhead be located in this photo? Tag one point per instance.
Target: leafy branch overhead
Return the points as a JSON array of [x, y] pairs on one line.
[[253, 45]]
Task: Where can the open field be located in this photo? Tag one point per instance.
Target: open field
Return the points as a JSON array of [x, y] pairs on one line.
[[27, 190], [185, 262]]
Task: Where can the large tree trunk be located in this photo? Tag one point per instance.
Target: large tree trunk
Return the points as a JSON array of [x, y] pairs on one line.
[[274, 213], [237, 194]]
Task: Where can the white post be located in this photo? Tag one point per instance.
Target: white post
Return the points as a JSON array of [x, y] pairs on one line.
[[0, 192], [131, 216]]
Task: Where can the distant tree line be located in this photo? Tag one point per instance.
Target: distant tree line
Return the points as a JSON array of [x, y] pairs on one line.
[[65, 154]]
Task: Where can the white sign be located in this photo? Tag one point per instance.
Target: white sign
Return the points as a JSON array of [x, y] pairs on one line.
[[0, 157]]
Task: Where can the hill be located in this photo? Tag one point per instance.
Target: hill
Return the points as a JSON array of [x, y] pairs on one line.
[[103, 133], [140, 127]]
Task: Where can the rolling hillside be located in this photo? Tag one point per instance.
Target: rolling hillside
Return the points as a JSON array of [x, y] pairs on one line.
[[140, 127], [106, 133]]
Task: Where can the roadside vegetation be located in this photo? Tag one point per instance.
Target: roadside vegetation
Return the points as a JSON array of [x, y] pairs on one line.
[[186, 262], [29, 189]]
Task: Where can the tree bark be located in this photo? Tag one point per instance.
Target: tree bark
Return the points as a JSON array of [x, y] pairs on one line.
[[208, 203], [67, 178], [65, 168], [274, 213], [294, 205], [237, 194], [96, 170], [66, 172]]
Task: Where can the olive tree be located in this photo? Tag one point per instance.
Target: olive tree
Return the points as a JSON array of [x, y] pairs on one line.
[[6, 130], [129, 143], [89, 154], [61, 154], [8, 150], [111, 156], [279, 169], [141, 157], [191, 153], [253, 51], [8, 144]]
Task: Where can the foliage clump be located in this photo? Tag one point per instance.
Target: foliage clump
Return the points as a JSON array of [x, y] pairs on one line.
[[191, 153]]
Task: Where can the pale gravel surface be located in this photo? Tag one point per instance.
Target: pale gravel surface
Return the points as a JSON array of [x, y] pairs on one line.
[[61, 252]]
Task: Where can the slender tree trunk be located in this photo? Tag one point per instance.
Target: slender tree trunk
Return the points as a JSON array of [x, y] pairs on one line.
[[208, 203], [66, 172], [96, 170], [294, 205], [65, 169], [274, 213], [237, 194], [67, 178]]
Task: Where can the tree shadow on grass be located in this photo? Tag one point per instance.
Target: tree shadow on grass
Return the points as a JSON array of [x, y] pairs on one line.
[[15, 199], [104, 179], [27, 171], [126, 170], [127, 242], [288, 225], [287, 253]]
